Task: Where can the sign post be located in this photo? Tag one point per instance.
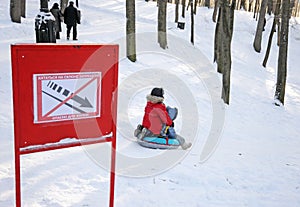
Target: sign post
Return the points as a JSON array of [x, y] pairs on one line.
[[70, 91]]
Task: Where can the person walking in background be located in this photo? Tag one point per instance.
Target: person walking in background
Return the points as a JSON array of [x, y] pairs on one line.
[[58, 17], [71, 19]]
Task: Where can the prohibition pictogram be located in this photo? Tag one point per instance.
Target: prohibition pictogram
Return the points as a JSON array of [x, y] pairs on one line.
[[66, 96]]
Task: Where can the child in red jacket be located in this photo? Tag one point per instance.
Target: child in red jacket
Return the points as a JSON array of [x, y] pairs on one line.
[[156, 117]]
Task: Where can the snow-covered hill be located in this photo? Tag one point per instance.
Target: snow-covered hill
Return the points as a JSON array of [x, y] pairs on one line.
[[253, 153]]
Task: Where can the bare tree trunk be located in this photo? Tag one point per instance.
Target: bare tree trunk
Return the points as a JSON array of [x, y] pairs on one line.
[[269, 44], [195, 6], [274, 6], [189, 3], [183, 8], [130, 30], [63, 5], [278, 33], [162, 23], [243, 4], [218, 40], [256, 8], [192, 22], [15, 11], [44, 5], [176, 10], [270, 6], [207, 3], [228, 18], [297, 9], [283, 50], [238, 5], [292, 4], [260, 26], [250, 7], [23, 8], [275, 22], [214, 17]]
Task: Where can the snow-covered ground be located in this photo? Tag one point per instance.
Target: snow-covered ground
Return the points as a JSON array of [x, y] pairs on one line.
[[244, 154]]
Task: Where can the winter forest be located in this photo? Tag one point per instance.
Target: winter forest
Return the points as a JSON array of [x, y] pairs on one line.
[[223, 16], [230, 67]]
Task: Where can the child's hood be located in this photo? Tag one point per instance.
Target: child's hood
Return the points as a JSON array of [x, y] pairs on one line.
[[154, 99]]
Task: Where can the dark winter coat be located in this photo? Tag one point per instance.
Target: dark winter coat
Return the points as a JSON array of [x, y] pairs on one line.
[[156, 114], [71, 15], [58, 15]]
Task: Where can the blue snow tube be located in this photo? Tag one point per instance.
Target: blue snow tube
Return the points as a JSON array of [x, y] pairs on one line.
[[159, 143]]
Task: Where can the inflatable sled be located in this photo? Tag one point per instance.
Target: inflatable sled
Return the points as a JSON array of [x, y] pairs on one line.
[[158, 143], [165, 141]]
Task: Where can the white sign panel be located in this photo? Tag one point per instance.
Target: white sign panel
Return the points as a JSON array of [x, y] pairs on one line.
[[66, 96]]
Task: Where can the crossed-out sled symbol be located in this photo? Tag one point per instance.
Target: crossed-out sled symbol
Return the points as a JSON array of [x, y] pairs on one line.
[[84, 102]]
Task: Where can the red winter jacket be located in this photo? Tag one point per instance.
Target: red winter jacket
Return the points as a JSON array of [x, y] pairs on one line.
[[156, 115]]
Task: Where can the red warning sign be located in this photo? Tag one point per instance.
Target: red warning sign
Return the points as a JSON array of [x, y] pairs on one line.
[[70, 91], [66, 96]]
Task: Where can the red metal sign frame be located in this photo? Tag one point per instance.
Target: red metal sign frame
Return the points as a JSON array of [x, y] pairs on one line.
[[28, 60]]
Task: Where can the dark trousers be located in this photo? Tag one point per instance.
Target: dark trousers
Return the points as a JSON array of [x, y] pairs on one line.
[[57, 35], [69, 27]]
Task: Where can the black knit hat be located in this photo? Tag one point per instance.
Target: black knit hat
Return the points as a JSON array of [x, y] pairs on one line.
[[159, 92]]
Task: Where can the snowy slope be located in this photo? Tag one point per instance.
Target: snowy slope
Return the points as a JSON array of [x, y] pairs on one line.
[[254, 158]]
